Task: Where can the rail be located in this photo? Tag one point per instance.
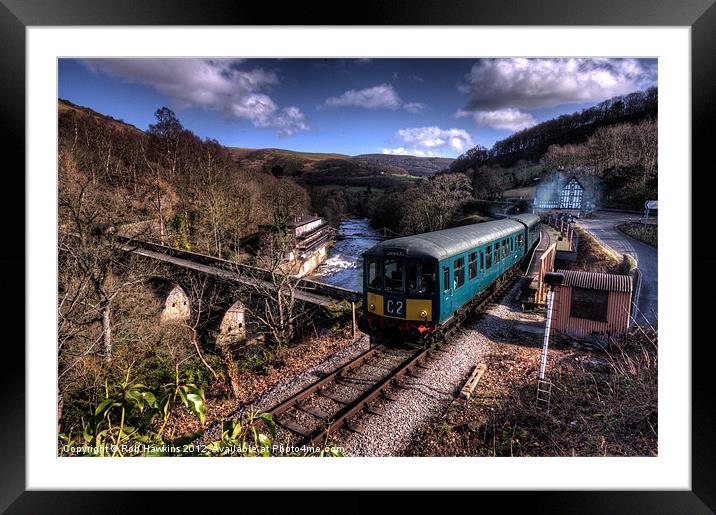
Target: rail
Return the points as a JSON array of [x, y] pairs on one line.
[[328, 422]]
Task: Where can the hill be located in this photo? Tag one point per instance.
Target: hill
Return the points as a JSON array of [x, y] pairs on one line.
[[66, 108], [532, 143], [417, 166], [333, 170]]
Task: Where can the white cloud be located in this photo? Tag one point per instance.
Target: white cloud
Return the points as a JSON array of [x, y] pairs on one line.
[[382, 96], [215, 84], [402, 151], [414, 107], [431, 141], [494, 84], [507, 119]]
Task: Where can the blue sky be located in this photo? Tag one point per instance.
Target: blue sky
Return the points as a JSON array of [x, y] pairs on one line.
[[424, 107]]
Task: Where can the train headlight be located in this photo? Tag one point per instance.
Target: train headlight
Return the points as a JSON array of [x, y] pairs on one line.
[[423, 314], [371, 307]]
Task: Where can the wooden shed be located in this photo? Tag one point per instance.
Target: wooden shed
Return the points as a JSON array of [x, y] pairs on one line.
[[589, 303]]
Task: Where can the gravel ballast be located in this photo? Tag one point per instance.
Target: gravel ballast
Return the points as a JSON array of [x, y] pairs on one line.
[[285, 389], [420, 398]]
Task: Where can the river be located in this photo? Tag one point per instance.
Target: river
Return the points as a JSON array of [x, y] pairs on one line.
[[344, 265]]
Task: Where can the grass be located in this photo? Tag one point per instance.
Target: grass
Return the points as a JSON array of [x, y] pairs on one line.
[[592, 256], [354, 189], [602, 404], [264, 153], [526, 192], [645, 233]]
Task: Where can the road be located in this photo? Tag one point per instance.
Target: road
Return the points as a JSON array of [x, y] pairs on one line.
[[603, 227]]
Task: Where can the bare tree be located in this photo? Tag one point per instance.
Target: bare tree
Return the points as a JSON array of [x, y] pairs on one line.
[[284, 199], [273, 291], [432, 206], [94, 266], [208, 302]]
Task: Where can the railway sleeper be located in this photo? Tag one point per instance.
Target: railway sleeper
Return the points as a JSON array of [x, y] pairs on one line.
[[354, 428], [375, 411], [314, 411], [294, 428], [334, 398]]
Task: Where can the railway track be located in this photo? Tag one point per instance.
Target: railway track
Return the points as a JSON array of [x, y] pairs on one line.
[[309, 416]]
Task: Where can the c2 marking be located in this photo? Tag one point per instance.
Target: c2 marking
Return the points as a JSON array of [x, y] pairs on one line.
[[395, 307]]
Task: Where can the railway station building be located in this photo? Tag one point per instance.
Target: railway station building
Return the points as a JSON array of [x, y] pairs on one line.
[[573, 193]]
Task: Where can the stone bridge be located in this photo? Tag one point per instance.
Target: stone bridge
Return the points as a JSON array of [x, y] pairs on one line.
[[188, 278]]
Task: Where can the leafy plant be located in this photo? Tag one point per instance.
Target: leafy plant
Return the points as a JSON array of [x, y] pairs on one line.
[[178, 223], [132, 420]]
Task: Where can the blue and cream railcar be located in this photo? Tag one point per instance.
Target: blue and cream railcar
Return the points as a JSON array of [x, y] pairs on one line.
[[413, 284]]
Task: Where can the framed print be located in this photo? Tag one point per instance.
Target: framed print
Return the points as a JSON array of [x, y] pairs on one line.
[[419, 251]]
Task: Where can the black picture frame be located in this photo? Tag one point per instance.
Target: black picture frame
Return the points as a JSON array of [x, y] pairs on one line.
[[17, 15]]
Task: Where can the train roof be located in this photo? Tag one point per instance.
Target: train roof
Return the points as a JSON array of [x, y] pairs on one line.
[[529, 219], [448, 242]]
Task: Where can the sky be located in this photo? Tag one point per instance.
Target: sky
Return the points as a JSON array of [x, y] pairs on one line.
[[421, 107]]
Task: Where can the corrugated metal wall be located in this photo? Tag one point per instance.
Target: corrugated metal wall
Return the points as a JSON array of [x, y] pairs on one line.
[[617, 315]]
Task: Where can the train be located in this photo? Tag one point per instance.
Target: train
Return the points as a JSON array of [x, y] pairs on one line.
[[415, 285]]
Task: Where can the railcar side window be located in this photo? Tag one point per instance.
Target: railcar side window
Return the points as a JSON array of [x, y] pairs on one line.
[[488, 257], [482, 261], [472, 265], [375, 278], [504, 248], [421, 277], [497, 252], [393, 274], [446, 279], [512, 247], [459, 272], [520, 239]]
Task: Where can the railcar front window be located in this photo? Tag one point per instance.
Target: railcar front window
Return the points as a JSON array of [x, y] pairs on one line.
[[374, 276], [393, 274], [421, 277]]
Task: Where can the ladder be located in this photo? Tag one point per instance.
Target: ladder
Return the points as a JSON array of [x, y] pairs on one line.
[[544, 392]]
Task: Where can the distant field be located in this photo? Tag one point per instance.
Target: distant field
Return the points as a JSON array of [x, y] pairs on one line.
[[264, 153], [358, 189], [527, 192]]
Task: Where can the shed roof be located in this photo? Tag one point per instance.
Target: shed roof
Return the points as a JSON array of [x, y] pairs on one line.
[[596, 281], [448, 242], [303, 220]]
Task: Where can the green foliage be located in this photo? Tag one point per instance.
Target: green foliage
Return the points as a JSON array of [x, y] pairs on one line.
[[132, 421], [178, 224], [132, 418], [646, 233], [196, 372], [251, 363]]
